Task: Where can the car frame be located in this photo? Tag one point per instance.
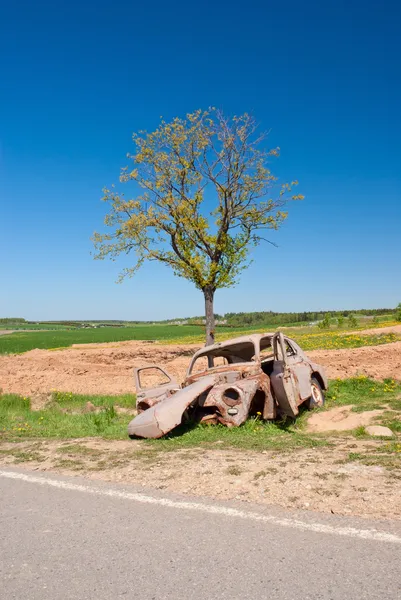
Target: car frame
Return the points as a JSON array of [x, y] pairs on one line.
[[250, 382]]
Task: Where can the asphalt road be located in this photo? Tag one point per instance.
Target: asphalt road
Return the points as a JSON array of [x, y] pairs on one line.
[[69, 538]]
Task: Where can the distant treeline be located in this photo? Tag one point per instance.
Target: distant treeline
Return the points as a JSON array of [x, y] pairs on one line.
[[8, 320], [262, 318], [276, 318], [241, 319]]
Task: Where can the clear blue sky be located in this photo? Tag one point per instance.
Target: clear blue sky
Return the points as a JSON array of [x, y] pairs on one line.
[[77, 78]]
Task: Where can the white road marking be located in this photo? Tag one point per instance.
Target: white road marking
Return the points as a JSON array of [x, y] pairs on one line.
[[365, 534]]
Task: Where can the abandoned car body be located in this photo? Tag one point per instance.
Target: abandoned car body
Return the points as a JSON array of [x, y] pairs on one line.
[[259, 374]]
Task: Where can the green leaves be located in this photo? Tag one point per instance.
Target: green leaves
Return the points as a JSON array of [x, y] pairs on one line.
[[202, 194]]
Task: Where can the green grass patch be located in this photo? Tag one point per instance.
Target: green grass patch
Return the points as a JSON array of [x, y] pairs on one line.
[[67, 400], [254, 434], [364, 393], [14, 404], [308, 341], [335, 341], [23, 342], [64, 417], [18, 421]]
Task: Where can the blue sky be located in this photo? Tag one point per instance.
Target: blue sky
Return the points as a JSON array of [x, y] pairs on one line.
[[77, 78]]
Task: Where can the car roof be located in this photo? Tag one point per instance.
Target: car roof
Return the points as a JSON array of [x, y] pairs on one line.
[[252, 338]]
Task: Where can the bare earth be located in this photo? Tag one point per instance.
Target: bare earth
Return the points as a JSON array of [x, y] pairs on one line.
[[341, 418], [107, 368], [319, 479]]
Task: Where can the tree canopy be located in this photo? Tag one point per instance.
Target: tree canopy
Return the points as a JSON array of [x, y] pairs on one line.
[[203, 196]]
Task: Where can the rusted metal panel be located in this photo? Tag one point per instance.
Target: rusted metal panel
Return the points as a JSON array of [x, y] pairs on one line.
[[164, 416], [232, 401], [147, 397]]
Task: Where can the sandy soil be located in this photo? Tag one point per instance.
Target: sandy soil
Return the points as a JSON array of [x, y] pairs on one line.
[[341, 418], [107, 368], [319, 479], [378, 362]]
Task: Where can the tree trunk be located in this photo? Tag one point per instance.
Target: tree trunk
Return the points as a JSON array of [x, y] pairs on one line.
[[209, 314]]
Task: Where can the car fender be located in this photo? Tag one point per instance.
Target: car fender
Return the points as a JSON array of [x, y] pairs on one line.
[[164, 416], [320, 370]]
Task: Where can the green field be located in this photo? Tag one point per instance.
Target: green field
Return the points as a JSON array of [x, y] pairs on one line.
[[22, 342], [308, 338]]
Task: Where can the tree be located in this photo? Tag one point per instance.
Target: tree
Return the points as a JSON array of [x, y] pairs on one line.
[[203, 196], [352, 321], [398, 313], [325, 324]]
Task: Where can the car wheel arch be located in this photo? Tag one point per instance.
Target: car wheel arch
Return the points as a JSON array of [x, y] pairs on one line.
[[319, 378]]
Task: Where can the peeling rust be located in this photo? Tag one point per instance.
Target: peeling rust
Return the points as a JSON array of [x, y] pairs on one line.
[[252, 382]]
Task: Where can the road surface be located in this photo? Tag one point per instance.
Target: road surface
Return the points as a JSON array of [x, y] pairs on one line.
[[72, 538]]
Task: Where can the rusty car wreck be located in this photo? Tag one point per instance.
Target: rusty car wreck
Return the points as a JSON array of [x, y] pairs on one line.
[[260, 374]]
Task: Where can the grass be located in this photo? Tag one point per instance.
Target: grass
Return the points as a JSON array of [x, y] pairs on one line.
[[308, 338], [22, 342], [254, 434], [67, 400], [364, 393], [330, 340], [64, 417], [334, 340], [367, 394]]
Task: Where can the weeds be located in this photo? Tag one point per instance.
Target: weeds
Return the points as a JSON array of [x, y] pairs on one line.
[[387, 455], [234, 470], [79, 449]]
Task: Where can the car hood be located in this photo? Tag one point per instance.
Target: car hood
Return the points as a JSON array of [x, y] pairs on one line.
[[161, 418]]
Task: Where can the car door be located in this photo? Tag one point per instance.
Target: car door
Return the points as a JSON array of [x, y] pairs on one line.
[[282, 379], [300, 370], [152, 385]]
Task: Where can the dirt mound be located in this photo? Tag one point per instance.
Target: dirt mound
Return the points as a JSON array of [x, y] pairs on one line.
[[107, 368], [340, 418], [378, 362], [89, 369]]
